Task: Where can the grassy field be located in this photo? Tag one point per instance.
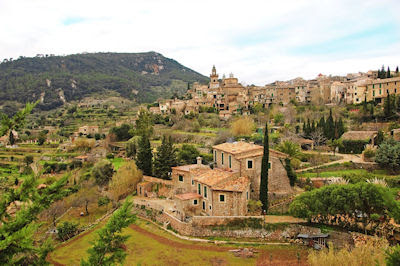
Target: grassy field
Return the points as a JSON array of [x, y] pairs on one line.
[[117, 162], [149, 245], [332, 172]]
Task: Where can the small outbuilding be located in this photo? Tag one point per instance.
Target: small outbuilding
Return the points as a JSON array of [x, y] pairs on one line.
[[317, 241]]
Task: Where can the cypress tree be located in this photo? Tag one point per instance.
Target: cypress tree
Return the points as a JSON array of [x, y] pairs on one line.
[[340, 128], [290, 172], [144, 155], [304, 128], [387, 107], [11, 138], [264, 172], [383, 72], [165, 158], [321, 124], [313, 127], [330, 126], [397, 69], [388, 73]]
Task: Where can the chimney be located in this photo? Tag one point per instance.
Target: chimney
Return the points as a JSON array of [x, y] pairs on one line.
[[199, 160]]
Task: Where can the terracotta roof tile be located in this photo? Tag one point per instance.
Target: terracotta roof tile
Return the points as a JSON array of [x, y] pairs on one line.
[[359, 135], [191, 167], [188, 196], [213, 176], [238, 147], [238, 184]]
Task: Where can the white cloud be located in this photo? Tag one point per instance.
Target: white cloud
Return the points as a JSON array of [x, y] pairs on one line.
[[259, 41]]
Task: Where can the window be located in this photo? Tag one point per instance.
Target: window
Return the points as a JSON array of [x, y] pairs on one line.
[[215, 156], [373, 93], [204, 205], [180, 178], [199, 189], [247, 195], [192, 182], [230, 161], [210, 207], [221, 198], [380, 85], [380, 91], [222, 158], [249, 164], [373, 86], [269, 165], [205, 191], [195, 202]]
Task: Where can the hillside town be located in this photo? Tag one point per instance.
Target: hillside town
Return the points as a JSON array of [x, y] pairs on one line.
[[228, 97]]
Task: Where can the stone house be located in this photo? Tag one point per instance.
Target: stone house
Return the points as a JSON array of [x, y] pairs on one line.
[[143, 188], [245, 158], [87, 130]]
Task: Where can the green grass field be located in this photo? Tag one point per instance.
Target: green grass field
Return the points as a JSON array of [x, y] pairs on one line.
[[151, 245], [340, 173]]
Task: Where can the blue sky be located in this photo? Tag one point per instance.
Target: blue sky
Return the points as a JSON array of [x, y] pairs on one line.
[[259, 41]]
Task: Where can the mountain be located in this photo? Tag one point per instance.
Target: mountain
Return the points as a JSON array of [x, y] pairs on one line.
[[142, 77]]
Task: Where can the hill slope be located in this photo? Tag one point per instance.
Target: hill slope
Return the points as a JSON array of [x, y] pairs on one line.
[[54, 80]]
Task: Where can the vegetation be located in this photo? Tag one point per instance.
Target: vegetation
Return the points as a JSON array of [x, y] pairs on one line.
[[243, 126], [144, 158], [66, 230], [165, 158], [81, 75], [361, 202], [264, 172], [108, 247], [102, 172], [388, 155], [187, 154]]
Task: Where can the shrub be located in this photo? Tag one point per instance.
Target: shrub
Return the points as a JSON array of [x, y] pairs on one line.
[[103, 201], [388, 155], [102, 172], [369, 153], [393, 256], [110, 156], [254, 206], [243, 126], [67, 230]]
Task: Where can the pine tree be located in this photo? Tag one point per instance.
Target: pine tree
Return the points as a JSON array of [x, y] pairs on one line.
[[313, 127], [388, 73], [397, 69], [264, 172], [144, 158], [108, 248], [165, 158]]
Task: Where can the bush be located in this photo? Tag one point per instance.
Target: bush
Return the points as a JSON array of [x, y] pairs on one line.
[[110, 156], [102, 172], [254, 206], [393, 256], [388, 155], [67, 230], [103, 201], [243, 126], [369, 153]]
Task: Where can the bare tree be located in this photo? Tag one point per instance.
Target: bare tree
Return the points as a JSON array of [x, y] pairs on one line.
[[318, 137], [56, 210]]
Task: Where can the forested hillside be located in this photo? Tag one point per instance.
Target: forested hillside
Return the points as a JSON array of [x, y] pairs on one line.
[[142, 77]]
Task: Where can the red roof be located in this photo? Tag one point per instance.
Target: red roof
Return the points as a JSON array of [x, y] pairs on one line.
[[188, 196]]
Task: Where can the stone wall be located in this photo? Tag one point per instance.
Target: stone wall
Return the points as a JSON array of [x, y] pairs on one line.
[[202, 226], [157, 180]]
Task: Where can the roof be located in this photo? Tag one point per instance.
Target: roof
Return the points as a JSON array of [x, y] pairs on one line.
[[312, 236], [238, 147], [213, 176], [238, 184], [359, 135], [81, 157], [190, 167], [143, 183], [188, 196]]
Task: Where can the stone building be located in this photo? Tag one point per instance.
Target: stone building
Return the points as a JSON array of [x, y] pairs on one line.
[[245, 158]]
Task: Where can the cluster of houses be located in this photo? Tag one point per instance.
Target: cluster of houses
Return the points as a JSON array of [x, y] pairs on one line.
[[229, 97], [225, 188]]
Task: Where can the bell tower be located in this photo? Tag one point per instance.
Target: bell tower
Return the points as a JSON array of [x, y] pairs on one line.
[[214, 78]]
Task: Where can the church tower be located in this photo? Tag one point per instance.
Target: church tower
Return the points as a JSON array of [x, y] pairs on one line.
[[214, 83]]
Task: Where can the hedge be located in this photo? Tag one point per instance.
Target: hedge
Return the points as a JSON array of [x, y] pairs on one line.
[[353, 146]]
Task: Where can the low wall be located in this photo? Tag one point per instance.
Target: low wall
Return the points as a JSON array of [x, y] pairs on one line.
[[221, 220], [208, 226]]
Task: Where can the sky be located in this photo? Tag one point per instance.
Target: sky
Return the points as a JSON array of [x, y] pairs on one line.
[[258, 41]]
